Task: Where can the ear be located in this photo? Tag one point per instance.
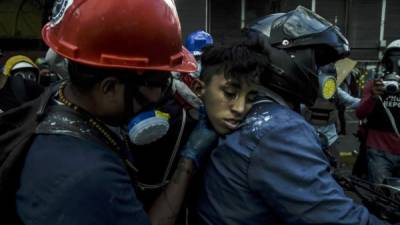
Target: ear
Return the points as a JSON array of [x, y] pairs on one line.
[[109, 86], [198, 87]]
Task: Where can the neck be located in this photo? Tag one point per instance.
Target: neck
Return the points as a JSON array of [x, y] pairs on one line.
[[85, 102]]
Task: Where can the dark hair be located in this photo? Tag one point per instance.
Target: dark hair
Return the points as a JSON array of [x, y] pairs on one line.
[[84, 77], [237, 61]]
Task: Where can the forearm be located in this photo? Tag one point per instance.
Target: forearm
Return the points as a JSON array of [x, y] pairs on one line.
[[167, 206], [348, 100]]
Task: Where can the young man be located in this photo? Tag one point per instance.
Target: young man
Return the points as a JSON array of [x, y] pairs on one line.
[[78, 169], [272, 170], [229, 84], [228, 88]]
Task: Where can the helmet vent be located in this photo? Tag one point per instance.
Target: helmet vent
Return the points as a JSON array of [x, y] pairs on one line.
[[124, 61], [68, 48]]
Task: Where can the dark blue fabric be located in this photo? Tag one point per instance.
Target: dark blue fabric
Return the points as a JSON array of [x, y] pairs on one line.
[[66, 180], [273, 171]]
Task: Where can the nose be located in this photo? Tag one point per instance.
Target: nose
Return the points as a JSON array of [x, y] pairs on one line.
[[239, 106]]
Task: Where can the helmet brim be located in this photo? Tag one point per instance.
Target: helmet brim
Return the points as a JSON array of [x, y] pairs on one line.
[[186, 62]]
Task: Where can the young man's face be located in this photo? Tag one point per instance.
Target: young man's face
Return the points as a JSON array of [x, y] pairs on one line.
[[227, 102]]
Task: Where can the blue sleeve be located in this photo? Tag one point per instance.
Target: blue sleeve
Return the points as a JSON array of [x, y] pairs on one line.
[[103, 195], [346, 99], [290, 172]]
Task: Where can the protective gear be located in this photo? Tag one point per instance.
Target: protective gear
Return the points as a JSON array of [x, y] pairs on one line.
[[148, 127], [324, 112], [327, 81], [196, 41], [297, 42], [19, 62], [201, 141], [143, 35], [26, 75], [394, 45], [391, 58], [391, 83]]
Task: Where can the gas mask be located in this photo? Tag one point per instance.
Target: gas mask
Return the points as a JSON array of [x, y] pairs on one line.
[[391, 83], [148, 127], [392, 63], [26, 74], [327, 86], [327, 82], [150, 124]]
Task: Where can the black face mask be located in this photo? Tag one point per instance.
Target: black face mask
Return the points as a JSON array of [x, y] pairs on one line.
[[148, 79], [392, 63], [26, 75], [148, 124]]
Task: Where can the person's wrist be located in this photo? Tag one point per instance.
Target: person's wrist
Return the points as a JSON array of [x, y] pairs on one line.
[[188, 165]]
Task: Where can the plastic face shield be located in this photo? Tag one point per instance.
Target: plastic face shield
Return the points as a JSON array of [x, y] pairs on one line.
[[302, 22]]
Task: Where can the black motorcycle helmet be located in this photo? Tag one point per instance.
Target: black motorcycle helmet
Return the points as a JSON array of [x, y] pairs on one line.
[[297, 43]]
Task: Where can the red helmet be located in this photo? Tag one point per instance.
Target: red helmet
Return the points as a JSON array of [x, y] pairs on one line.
[[126, 34]]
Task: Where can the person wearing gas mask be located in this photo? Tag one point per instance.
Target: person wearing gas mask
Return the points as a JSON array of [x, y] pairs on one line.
[[79, 169], [380, 105], [166, 134], [323, 114], [18, 82], [272, 170], [228, 88]]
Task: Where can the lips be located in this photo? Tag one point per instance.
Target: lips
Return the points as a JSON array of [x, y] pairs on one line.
[[231, 124]]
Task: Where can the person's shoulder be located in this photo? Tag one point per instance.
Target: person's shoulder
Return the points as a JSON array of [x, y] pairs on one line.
[[76, 178], [273, 121], [271, 114], [70, 154]]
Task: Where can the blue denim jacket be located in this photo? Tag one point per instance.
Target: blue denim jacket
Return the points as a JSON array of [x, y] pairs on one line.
[[273, 171]]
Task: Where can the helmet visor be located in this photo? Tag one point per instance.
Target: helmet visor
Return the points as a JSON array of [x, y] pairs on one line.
[[302, 22]]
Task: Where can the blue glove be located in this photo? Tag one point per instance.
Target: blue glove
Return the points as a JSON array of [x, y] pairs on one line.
[[201, 141]]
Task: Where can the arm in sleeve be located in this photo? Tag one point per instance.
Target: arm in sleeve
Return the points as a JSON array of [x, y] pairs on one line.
[[367, 103], [290, 172], [346, 99]]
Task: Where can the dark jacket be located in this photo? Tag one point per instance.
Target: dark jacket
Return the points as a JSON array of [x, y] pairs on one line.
[[70, 176]]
